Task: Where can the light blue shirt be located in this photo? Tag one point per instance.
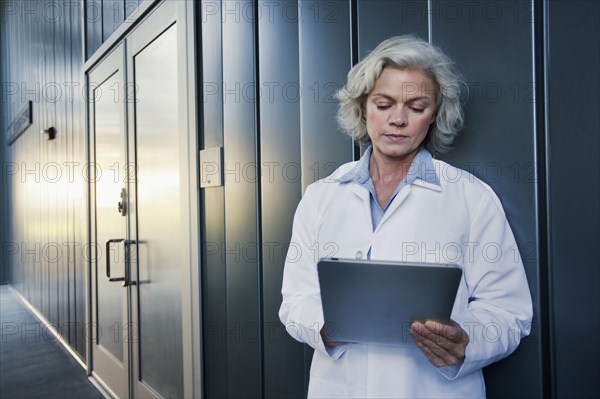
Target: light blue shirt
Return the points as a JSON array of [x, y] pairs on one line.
[[421, 168]]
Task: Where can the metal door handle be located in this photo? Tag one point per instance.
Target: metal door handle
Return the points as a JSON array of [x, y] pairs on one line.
[[128, 263], [108, 260], [126, 279]]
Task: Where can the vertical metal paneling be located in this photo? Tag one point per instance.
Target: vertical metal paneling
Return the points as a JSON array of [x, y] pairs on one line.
[[93, 25], [241, 250], [33, 76], [54, 175], [5, 241], [214, 289], [44, 207], [19, 219], [324, 61], [280, 185], [79, 184], [52, 108], [34, 142], [69, 329], [8, 179], [113, 14], [325, 58], [17, 77], [491, 43], [573, 68], [382, 19], [17, 269], [40, 57]]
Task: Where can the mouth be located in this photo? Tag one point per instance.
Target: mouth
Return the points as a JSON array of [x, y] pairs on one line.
[[395, 138]]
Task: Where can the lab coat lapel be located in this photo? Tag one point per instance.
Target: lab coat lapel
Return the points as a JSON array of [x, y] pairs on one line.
[[397, 201], [364, 195]]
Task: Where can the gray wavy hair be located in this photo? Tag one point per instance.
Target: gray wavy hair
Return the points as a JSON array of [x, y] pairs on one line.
[[406, 52]]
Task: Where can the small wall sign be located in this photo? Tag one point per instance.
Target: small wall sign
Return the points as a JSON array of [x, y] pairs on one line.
[[18, 126]]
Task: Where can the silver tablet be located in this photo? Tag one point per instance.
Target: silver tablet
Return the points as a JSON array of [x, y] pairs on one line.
[[376, 301]]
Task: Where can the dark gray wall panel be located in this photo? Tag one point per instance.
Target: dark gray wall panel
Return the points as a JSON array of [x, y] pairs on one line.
[[214, 283], [325, 59], [492, 45], [214, 296], [241, 241], [381, 19], [573, 193], [280, 185]]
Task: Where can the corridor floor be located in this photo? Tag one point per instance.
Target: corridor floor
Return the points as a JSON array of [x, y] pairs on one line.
[[35, 365]]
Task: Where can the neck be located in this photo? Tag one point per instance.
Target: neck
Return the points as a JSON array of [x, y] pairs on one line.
[[387, 169]]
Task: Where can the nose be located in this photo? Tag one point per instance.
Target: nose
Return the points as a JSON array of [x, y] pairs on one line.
[[398, 117]]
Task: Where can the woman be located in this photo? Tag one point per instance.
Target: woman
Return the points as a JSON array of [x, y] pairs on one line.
[[398, 203]]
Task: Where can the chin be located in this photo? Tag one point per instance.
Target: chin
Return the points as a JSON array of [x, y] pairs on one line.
[[398, 152]]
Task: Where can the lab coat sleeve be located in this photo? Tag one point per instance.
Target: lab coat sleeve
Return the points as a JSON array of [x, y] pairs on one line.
[[301, 311], [499, 309]]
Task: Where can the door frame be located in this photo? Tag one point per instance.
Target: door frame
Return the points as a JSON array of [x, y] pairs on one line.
[[190, 291]]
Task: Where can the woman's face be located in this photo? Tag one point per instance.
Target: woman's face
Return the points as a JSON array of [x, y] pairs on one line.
[[399, 111]]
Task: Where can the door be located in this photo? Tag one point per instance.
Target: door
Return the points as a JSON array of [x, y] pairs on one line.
[[157, 123], [140, 200], [108, 189]]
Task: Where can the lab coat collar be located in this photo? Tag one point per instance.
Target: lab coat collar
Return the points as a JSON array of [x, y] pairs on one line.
[[426, 184], [422, 171], [360, 172]]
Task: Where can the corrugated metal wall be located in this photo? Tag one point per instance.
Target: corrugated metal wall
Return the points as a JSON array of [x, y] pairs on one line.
[[269, 79], [4, 186], [103, 17], [42, 62], [255, 55], [573, 187], [268, 72]]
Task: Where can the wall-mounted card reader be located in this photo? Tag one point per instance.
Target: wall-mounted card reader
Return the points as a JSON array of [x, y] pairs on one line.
[[211, 167]]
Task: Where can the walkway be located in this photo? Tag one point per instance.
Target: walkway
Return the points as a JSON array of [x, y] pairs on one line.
[[35, 365]]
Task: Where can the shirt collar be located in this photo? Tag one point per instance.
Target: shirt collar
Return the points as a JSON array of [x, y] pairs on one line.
[[422, 167]]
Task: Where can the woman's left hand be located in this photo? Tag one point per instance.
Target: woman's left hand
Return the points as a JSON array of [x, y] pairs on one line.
[[443, 344]]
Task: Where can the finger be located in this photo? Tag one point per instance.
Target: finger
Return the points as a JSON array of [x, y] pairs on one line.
[[430, 335], [452, 332], [447, 354], [430, 355], [438, 355], [428, 339], [447, 350]]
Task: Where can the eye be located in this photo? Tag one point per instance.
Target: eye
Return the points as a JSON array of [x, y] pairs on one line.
[[382, 106], [418, 110]]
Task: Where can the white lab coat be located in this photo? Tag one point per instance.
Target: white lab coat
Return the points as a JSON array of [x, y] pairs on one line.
[[462, 222]]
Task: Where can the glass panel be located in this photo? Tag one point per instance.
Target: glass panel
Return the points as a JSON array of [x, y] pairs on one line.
[[110, 224], [159, 227]]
